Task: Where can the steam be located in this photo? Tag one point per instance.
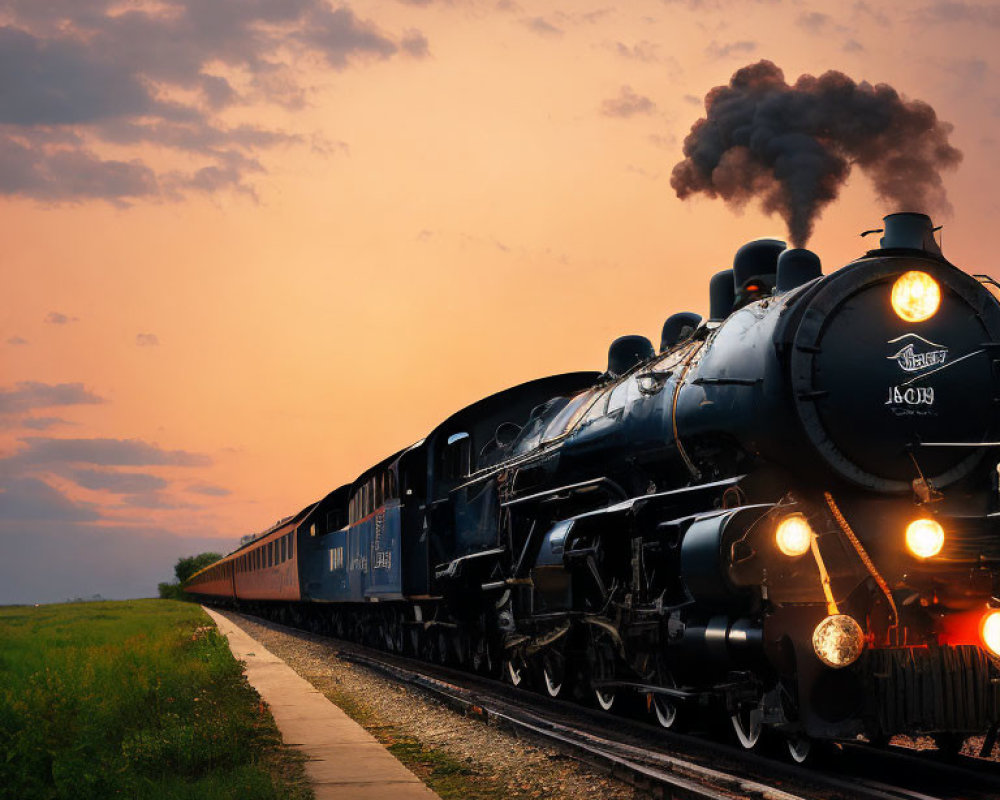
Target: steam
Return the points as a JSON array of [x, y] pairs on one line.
[[792, 147]]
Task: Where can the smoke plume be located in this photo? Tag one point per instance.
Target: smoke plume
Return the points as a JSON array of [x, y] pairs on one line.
[[792, 147]]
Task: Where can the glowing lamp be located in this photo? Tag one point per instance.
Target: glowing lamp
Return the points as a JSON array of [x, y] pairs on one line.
[[838, 641], [990, 631], [793, 535], [915, 296], [924, 538]]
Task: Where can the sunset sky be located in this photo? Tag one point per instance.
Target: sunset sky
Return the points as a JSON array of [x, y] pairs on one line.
[[252, 246]]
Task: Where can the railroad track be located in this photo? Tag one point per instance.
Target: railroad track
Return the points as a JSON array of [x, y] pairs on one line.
[[687, 767]]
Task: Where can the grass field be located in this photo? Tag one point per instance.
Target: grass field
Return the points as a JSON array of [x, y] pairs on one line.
[[138, 699]]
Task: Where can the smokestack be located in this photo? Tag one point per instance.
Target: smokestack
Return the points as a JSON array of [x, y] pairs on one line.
[[792, 147], [910, 231]]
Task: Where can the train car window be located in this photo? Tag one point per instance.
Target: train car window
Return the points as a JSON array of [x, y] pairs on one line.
[[281, 550], [457, 456], [393, 491], [312, 529], [291, 545], [332, 521]]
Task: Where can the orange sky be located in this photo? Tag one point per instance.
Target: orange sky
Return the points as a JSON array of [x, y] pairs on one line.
[[408, 205]]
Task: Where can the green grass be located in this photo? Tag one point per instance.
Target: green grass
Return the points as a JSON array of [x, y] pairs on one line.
[[138, 699]]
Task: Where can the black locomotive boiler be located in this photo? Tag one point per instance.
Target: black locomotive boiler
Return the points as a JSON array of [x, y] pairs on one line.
[[789, 515]]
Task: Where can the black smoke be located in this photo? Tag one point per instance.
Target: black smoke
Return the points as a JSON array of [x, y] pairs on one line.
[[792, 146]]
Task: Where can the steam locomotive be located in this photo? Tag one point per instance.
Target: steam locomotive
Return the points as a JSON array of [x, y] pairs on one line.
[[788, 516]]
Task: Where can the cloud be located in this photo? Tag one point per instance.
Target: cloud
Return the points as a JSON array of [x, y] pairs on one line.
[[208, 489], [27, 498], [956, 12], [28, 395], [53, 561], [53, 317], [541, 26], [627, 104], [338, 35], [46, 451], [861, 8], [853, 46], [640, 51], [43, 423], [17, 340], [813, 22], [741, 48], [415, 44], [117, 482], [155, 500], [79, 77], [715, 5], [147, 340]]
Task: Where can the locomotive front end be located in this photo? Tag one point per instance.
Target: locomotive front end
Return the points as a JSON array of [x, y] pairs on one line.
[[894, 374], [893, 366]]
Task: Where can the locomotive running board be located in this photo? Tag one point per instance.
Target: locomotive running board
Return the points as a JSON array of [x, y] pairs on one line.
[[568, 490], [597, 483], [955, 444], [453, 568]]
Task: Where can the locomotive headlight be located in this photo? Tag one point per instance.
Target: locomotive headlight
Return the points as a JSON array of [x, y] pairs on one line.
[[915, 296], [838, 641], [924, 538], [793, 535], [990, 631]]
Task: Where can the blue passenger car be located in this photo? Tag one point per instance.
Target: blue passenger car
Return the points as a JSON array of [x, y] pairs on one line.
[[322, 541]]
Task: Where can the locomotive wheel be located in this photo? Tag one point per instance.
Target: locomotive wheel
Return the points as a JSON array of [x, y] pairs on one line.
[[748, 727], [553, 664], [666, 710], [799, 748], [605, 698], [512, 672]]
